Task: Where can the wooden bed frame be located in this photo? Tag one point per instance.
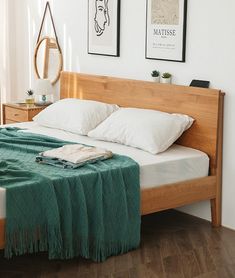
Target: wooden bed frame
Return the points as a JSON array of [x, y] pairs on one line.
[[206, 134]]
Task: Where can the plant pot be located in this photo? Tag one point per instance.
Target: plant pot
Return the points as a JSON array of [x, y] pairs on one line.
[[29, 100], [166, 80], [156, 78]]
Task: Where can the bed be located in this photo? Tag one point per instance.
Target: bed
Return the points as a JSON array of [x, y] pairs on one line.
[[202, 140]]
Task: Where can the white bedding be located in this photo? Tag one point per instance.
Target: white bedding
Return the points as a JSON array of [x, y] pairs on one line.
[[174, 165]]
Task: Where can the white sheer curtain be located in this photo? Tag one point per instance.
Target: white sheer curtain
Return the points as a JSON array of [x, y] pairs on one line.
[[5, 88]]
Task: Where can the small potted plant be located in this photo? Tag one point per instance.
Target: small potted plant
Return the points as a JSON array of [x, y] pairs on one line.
[[30, 97], [166, 78], [155, 75]]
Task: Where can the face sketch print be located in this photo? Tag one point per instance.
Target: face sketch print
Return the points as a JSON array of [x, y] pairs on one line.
[[101, 16]]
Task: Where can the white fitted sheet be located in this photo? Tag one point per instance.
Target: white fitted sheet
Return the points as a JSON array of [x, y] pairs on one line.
[[176, 164]]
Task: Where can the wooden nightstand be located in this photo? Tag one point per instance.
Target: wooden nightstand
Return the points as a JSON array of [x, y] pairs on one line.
[[16, 113]]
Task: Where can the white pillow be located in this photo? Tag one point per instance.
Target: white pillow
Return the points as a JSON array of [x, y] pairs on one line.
[[149, 130], [75, 115]]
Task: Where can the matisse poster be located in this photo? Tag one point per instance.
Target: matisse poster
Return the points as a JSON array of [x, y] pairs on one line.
[[166, 30], [103, 27]]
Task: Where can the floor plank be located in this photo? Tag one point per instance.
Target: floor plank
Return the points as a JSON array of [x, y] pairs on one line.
[[173, 267], [173, 245], [204, 259], [190, 265]]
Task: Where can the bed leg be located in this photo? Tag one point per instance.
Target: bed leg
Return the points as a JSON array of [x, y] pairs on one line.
[[216, 212], [216, 204]]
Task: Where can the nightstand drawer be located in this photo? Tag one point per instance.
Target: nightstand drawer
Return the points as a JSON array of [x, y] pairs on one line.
[[15, 114]]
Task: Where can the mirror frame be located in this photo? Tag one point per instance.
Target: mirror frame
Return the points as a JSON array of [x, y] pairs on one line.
[[53, 82]]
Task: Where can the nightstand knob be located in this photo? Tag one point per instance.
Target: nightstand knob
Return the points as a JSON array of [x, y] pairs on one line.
[[16, 115]]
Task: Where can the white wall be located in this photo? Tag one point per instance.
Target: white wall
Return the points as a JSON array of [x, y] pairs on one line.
[[7, 49], [210, 55]]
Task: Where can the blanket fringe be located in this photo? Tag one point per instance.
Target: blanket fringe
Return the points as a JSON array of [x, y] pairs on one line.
[[28, 242], [21, 243]]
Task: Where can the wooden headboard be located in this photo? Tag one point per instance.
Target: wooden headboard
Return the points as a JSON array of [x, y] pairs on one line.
[[204, 105]]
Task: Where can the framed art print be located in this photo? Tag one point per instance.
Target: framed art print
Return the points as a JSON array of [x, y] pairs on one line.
[[166, 30], [103, 27]]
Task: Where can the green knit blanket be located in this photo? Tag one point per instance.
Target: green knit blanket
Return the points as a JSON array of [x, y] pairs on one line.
[[93, 211]]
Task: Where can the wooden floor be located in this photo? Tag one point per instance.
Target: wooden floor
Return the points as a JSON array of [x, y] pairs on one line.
[[173, 245]]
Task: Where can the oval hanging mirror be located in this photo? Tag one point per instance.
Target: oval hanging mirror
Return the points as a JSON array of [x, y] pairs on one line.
[[48, 58], [48, 61]]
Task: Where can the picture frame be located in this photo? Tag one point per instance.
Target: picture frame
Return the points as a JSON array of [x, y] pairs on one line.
[[104, 27], [166, 22]]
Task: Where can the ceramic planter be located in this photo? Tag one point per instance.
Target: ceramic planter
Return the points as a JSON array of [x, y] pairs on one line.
[[29, 100], [156, 78], [166, 80]]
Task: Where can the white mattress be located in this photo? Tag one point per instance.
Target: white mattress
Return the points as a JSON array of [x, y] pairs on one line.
[[174, 165]]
